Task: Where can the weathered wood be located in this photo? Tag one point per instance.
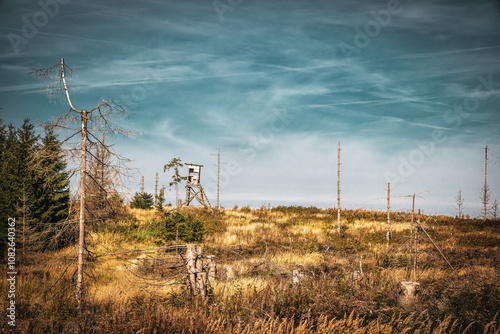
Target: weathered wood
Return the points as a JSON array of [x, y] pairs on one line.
[[156, 189], [338, 189], [389, 235], [357, 275], [196, 279], [297, 276], [83, 173], [408, 294], [485, 194], [194, 190], [191, 269], [229, 273], [218, 176], [436, 246], [211, 267]]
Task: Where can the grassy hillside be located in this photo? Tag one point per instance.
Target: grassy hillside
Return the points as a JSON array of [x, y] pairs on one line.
[[143, 292]]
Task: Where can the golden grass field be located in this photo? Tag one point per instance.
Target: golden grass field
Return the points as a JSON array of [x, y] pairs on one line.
[[263, 247]]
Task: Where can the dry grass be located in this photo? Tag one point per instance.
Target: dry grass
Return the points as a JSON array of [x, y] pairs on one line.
[[263, 247]]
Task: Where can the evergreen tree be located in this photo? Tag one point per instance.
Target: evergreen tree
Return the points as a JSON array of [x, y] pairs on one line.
[[4, 215], [160, 200], [26, 178], [50, 207], [17, 178], [9, 176], [34, 185], [142, 201]]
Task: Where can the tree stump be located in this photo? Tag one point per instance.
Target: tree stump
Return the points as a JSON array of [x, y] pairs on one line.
[[229, 273], [211, 267], [196, 280], [407, 296], [297, 276], [355, 277]]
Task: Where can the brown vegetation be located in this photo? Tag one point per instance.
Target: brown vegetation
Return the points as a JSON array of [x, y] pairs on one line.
[[133, 293]]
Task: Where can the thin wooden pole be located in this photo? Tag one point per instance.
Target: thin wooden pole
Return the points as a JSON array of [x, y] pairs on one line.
[[176, 194], [485, 197], [218, 176], [412, 209], [416, 249], [156, 189], [338, 188], [81, 239], [142, 185], [436, 246], [69, 193], [412, 236], [388, 211]]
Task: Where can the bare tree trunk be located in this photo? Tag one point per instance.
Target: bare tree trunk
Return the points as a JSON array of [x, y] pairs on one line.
[[176, 194], [107, 109], [218, 176], [414, 230], [156, 189], [196, 279], [388, 210], [212, 267], [81, 239], [338, 188], [485, 199], [416, 249], [142, 185]]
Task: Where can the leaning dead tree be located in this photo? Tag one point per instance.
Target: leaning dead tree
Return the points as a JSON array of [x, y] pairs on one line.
[[89, 124]]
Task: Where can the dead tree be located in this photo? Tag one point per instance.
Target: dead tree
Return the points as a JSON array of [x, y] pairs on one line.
[[485, 191], [388, 211], [196, 279], [86, 122], [494, 208], [338, 189], [218, 176], [156, 189], [104, 180], [460, 201]]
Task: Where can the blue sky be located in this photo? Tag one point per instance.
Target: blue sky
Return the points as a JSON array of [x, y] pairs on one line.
[[410, 88]]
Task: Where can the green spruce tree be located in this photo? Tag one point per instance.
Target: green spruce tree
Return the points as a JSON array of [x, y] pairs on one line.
[[51, 205], [142, 201], [25, 182]]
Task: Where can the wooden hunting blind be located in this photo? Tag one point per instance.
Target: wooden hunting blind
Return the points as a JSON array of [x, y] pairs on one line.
[[193, 186], [194, 174]]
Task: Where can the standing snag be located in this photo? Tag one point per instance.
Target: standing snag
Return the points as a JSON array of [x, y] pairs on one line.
[[86, 123], [485, 190], [460, 204], [338, 189]]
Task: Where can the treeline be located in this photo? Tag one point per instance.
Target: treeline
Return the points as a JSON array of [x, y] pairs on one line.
[[34, 187]]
